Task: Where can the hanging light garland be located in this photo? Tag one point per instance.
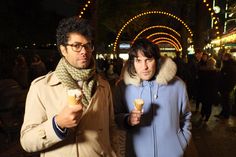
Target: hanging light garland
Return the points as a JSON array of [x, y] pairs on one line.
[[169, 36], [153, 27], [169, 42], [168, 39], [229, 38], [214, 17], [82, 11], [148, 13]]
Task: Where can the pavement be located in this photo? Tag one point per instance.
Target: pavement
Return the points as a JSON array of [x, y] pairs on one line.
[[216, 138]]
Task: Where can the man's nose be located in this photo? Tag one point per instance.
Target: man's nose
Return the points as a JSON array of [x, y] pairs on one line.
[[83, 50], [145, 65]]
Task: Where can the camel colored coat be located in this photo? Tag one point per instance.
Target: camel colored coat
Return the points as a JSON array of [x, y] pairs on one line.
[[92, 137]]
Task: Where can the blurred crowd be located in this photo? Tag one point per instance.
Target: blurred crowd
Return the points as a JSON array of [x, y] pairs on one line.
[[210, 81], [16, 73]]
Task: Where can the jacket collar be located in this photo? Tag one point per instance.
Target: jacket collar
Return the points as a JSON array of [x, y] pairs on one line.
[[166, 72], [53, 80]]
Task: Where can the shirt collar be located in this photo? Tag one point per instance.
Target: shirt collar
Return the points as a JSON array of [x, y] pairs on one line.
[[147, 83]]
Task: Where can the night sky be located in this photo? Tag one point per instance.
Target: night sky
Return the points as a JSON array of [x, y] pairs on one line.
[[24, 22], [33, 21]]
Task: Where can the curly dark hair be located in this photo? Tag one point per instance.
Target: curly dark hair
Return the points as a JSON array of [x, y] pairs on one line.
[[149, 50], [73, 25]]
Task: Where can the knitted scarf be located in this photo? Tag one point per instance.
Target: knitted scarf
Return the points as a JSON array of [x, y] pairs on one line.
[[69, 76]]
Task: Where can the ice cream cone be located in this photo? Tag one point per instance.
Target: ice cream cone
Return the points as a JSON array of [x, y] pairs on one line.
[[138, 103], [73, 96], [71, 100]]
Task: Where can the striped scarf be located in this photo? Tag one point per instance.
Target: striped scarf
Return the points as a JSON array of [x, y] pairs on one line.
[[69, 76]]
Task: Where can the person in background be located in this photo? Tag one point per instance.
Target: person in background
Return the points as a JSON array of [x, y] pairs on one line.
[[201, 65], [182, 71], [203, 62], [193, 84], [162, 127], [37, 67], [118, 65], [55, 126], [209, 87], [227, 83], [20, 71]]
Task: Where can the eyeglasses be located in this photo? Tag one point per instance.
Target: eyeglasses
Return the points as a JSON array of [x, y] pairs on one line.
[[78, 47]]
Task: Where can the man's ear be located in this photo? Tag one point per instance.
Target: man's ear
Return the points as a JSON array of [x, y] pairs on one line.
[[63, 50]]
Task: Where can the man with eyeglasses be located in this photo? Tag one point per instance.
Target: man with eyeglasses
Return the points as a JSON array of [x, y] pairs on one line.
[[54, 126]]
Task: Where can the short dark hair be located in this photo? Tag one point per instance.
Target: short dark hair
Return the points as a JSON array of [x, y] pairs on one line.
[[73, 25], [149, 50]]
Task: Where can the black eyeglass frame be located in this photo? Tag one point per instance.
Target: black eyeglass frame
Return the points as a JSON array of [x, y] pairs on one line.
[[77, 47]]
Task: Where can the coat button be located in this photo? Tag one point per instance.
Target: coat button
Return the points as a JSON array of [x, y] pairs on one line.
[[102, 153], [42, 134]]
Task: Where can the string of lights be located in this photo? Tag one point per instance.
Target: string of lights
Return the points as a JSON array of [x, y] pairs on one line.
[[214, 18], [82, 11], [168, 39], [166, 34], [169, 42], [153, 27], [148, 13]]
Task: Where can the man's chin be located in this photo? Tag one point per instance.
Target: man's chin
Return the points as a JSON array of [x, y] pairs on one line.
[[146, 78], [83, 65]]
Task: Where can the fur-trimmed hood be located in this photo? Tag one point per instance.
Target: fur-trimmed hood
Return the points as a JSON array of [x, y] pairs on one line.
[[166, 72]]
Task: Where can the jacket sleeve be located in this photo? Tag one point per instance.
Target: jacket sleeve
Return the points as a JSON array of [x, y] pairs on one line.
[[121, 112], [185, 117], [37, 131], [112, 126], [120, 135]]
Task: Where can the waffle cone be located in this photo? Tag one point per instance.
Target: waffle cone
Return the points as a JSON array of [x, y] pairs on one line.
[[73, 96], [138, 103], [72, 100]]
